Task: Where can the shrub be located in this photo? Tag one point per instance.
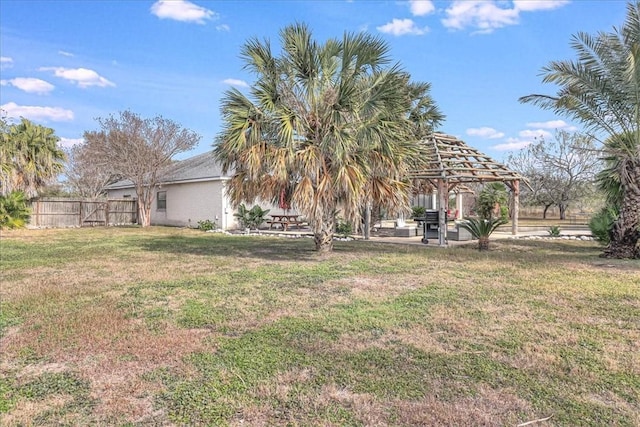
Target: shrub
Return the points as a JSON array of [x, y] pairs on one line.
[[14, 212], [601, 224], [504, 213], [344, 228], [418, 211], [207, 225]]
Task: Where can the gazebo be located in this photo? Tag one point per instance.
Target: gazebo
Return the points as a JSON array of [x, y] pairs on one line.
[[450, 164]]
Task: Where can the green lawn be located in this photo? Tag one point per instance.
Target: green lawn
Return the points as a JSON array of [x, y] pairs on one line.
[[124, 326]]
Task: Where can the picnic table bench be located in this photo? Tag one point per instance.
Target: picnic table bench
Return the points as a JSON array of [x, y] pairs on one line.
[[285, 221]]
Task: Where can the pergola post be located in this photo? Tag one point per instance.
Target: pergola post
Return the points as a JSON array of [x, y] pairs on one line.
[[516, 207], [443, 198]]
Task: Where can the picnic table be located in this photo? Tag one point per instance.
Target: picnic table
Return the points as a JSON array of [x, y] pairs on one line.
[[284, 221]]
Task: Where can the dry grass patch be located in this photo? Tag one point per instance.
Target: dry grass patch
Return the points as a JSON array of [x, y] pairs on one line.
[[487, 407], [107, 348], [27, 411], [170, 326]]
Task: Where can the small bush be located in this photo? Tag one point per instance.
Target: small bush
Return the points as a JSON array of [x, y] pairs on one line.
[[207, 225], [418, 211], [504, 213], [554, 231], [601, 224], [344, 228]]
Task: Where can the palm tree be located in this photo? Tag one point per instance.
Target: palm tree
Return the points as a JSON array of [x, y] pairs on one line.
[[328, 122], [7, 153], [424, 114], [34, 157], [14, 212], [620, 179], [601, 89], [491, 200]]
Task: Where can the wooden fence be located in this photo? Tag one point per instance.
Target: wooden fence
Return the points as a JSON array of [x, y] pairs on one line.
[[60, 213]]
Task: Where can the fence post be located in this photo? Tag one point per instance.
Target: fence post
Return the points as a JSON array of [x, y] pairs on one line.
[[106, 213]]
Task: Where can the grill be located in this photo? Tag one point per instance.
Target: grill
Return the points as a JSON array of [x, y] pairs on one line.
[[430, 225]]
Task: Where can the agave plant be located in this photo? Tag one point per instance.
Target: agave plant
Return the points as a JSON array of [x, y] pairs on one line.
[[481, 229], [250, 218]]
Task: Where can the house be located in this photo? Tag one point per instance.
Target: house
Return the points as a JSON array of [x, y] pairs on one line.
[[191, 190]]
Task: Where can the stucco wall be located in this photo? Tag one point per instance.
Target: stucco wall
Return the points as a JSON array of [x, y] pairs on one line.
[[189, 203]]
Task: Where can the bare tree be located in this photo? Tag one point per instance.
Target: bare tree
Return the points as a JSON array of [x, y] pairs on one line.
[[139, 150], [560, 172], [85, 177]]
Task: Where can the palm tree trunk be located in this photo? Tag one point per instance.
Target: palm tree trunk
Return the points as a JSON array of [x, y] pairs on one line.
[[625, 243], [483, 243], [367, 221], [323, 233]]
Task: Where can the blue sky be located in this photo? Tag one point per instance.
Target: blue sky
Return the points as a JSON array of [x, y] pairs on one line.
[[64, 63]]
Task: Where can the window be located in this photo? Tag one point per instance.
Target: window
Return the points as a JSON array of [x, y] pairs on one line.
[[161, 200]]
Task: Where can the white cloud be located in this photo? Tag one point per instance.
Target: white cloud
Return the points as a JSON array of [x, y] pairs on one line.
[[485, 132], [70, 142], [83, 77], [400, 27], [483, 15], [535, 133], [235, 82], [55, 114], [530, 136], [5, 62], [421, 7], [487, 16], [535, 5], [63, 53], [29, 85], [512, 144], [182, 10], [527, 137], [553, 124], [223, 27]]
